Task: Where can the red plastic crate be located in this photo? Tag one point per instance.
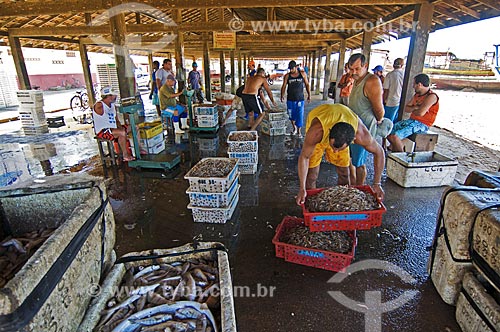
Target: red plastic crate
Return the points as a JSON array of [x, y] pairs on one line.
[[343, 221], [326, 260]]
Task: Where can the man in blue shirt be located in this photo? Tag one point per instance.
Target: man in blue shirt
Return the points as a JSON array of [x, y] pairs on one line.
[[194, 78]]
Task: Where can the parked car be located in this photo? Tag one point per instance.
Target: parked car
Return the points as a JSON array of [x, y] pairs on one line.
[[141, 78]]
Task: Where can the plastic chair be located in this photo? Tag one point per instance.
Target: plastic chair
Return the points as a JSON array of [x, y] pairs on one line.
[[166, 120]]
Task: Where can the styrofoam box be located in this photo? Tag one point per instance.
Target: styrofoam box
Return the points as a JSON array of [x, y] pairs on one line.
[[31, 122], [247, 168], [29, 95], [467, 316], [30, 104], [459, 210], [204, 109], [245, 157], [214, 215], [447, 274], [32, 110], [212, 184], [216, 200], [486, 240], [206, 121], [276, 116], [36, 130], [29, 117], [243, 146], [151, 142], [421, 169], [272, 131], [202, 250], [157, 148]]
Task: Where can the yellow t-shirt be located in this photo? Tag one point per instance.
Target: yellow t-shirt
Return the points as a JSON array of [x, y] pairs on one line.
[[329, 115]]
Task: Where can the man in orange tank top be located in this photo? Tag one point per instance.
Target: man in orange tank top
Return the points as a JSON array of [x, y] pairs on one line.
[[423, 107]]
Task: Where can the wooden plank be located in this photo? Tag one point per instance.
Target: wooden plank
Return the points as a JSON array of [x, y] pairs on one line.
[[233, 72], [367, 44], [17, 55], [318, 71], [54, 7], [326, 80], [340, 68], [87, 74], [493, 4], [462, 8]]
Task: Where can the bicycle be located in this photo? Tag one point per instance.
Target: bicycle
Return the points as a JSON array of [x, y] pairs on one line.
[[80, 108]]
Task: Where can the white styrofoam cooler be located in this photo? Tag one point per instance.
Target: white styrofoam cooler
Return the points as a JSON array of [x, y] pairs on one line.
[[421, 169]]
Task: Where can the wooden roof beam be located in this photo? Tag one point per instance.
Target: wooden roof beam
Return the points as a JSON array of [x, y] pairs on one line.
[[493, 4], [463, 8], [55, 7]]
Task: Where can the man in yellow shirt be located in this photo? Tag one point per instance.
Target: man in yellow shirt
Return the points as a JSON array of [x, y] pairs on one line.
[[169, 104], [330, 128]]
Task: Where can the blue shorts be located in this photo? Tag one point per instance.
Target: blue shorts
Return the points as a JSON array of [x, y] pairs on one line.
[[391, 112], [358, 154], [405, 128], [296, 112]]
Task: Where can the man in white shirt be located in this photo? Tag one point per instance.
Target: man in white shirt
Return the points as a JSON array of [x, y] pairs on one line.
[[163, 72], [393, 84]]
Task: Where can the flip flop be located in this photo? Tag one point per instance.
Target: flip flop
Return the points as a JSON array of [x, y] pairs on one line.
[[144, 152], [128, 158]]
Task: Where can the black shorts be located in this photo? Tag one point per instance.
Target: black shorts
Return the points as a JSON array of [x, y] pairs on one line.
[[252, 103]]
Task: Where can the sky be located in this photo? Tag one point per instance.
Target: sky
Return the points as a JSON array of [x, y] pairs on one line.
[[466, 41]]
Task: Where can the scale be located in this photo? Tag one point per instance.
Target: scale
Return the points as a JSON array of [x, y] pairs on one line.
[[192, 127], [162, 160]]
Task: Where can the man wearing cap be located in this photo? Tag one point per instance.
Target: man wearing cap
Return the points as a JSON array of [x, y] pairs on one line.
[[169, 104], [194, 78], [251, 68], [295, 80], [163, 72], [366, 101], [379, 72], [393, 85], [106, 123], [423, 108]]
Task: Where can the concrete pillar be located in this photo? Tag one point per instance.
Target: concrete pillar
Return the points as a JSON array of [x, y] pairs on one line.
[[124, 67], [340, 68], [222, 72], [240, 69], [313, 71], [318, 72], [326, 83], [17, 54], [422, 23]]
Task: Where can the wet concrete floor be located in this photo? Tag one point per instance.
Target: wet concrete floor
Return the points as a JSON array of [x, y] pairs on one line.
[[150, 212]]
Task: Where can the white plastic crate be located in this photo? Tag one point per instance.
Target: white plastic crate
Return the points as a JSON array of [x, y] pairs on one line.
[[247, 168], [207, 121], [208, 143], [231, 119], [276, 116], [243, 146], [421, 169], [205, 109], [212, 184], [29, 96], [215, 200], [245, 157], [278, 123], [214, 215], [273, 131]]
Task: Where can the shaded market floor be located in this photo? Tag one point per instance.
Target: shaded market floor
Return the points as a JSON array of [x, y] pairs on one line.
[[273, 295]]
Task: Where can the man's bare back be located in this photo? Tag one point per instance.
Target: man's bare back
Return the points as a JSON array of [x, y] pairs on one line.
[[253, 84]]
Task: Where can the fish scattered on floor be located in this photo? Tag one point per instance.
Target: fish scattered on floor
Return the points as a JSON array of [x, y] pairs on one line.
[[341, 199]]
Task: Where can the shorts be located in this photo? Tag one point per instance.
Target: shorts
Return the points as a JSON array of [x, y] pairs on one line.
[[252, 103], [340, 159], [155, 100], [296, 112], [358, 155], [179, 108], [407, 127], [391, 112], [106, 134]]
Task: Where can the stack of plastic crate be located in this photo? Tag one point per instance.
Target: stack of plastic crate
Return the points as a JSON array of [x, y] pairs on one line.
[[8, 88], [208, 146], [206, 115], [274, 122], [213, 199], [31, 111], [244, 146]]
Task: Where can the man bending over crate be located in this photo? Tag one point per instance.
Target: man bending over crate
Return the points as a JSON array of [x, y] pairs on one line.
[[330, 128], [250, 97]]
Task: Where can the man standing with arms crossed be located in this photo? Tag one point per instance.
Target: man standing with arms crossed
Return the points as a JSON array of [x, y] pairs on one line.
[[295, 96], [366, 101]]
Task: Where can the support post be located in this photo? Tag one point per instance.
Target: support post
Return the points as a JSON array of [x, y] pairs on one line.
[[422, 23], [313, 70], [17, 54], [327, 72], [124, 68], [240, 69], [222, 72], [340, 68], [206, 58], [367, 44], [87, 74], [318, 72], [233, 72]]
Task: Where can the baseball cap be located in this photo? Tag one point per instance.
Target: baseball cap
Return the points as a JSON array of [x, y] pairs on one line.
[[195, 64], [292, 64], [378, 68], [251, 63], [108, 91], [171, 77]]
